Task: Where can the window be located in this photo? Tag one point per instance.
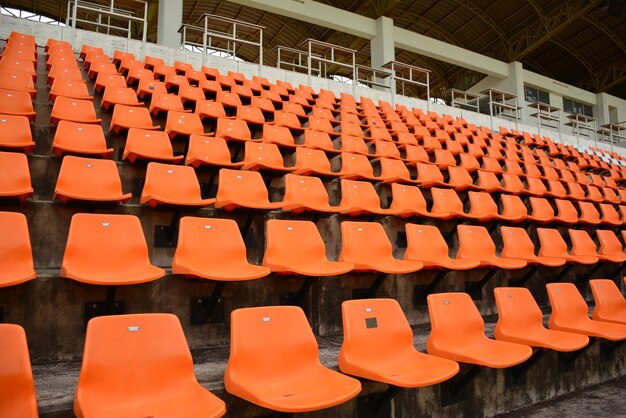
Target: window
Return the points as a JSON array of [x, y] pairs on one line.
[[572, 106], [534, 95]]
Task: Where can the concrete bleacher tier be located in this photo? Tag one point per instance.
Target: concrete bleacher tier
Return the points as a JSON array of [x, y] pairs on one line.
[[194, 200]]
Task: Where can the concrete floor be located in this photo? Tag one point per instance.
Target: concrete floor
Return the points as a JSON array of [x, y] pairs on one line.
[[604, 400]]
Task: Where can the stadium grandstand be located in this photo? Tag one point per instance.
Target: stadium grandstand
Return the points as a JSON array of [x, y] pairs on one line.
[[349, 208]]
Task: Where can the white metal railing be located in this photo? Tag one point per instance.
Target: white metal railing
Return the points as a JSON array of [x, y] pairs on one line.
[[503, 104], [373, 77], [462, 99], [403, 74], [116, 16], [613, 133], [216, 33], [293, 59], [327, 55]]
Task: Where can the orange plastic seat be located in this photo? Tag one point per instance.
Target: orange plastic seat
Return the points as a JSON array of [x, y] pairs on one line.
[[128, 370], [116, 95], [209, 110], [276, 344], [358, 197], [10, 80], [517, 244], [17, 397], [511, 183], [318, 140], [610, 246], [183, 124], [18, 65], [553, 245], [233, 130], [410, 201], [366, 245], [594, 194], [312, 162], [583, 245], [80, 138], [142, 144], [14, 176], [113, 81], [296, 247], [429, 175], [566, 212], [610, 304], [74, 110], [213, 248], [514, 208], [244, 189], [15, 133], [446, 204], [475, 243], [521, 321], [168, 184], [570, 313], [126, 117], [250, 114], [541, 210], [89, 179], [378, 345], [263, 156], [147, 85], [484, 208], [70, 89], [164, 102], [105, 249], [426, 244], [306, 193], [16, 256], [356, 166], [209, 151], [279, 135], [460, 179], [68, 74], [17, 103], [457, 333], [588, 213]]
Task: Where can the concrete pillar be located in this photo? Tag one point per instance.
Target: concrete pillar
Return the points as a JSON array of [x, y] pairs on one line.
[[170, 19], [382, 45], [515, 85], [601, 111]]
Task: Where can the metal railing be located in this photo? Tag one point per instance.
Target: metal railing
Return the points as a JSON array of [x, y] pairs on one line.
[[294, 60], [114, 18], [373, 77], [613, 133], [216, 33], [404, 74], [341, 60]]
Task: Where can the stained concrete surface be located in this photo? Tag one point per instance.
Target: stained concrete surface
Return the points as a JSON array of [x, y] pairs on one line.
[[603, 400]]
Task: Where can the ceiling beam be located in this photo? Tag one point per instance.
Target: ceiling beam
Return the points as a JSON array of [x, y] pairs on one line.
[[493, 25], [575, 54], [531, 38], [606, 31], [612, 77]]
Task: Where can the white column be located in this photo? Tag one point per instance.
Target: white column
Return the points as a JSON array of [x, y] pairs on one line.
[[382, 46], [169, 21], [601, 111]]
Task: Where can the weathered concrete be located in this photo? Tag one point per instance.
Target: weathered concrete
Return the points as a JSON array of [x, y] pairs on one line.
[[604, 400]]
